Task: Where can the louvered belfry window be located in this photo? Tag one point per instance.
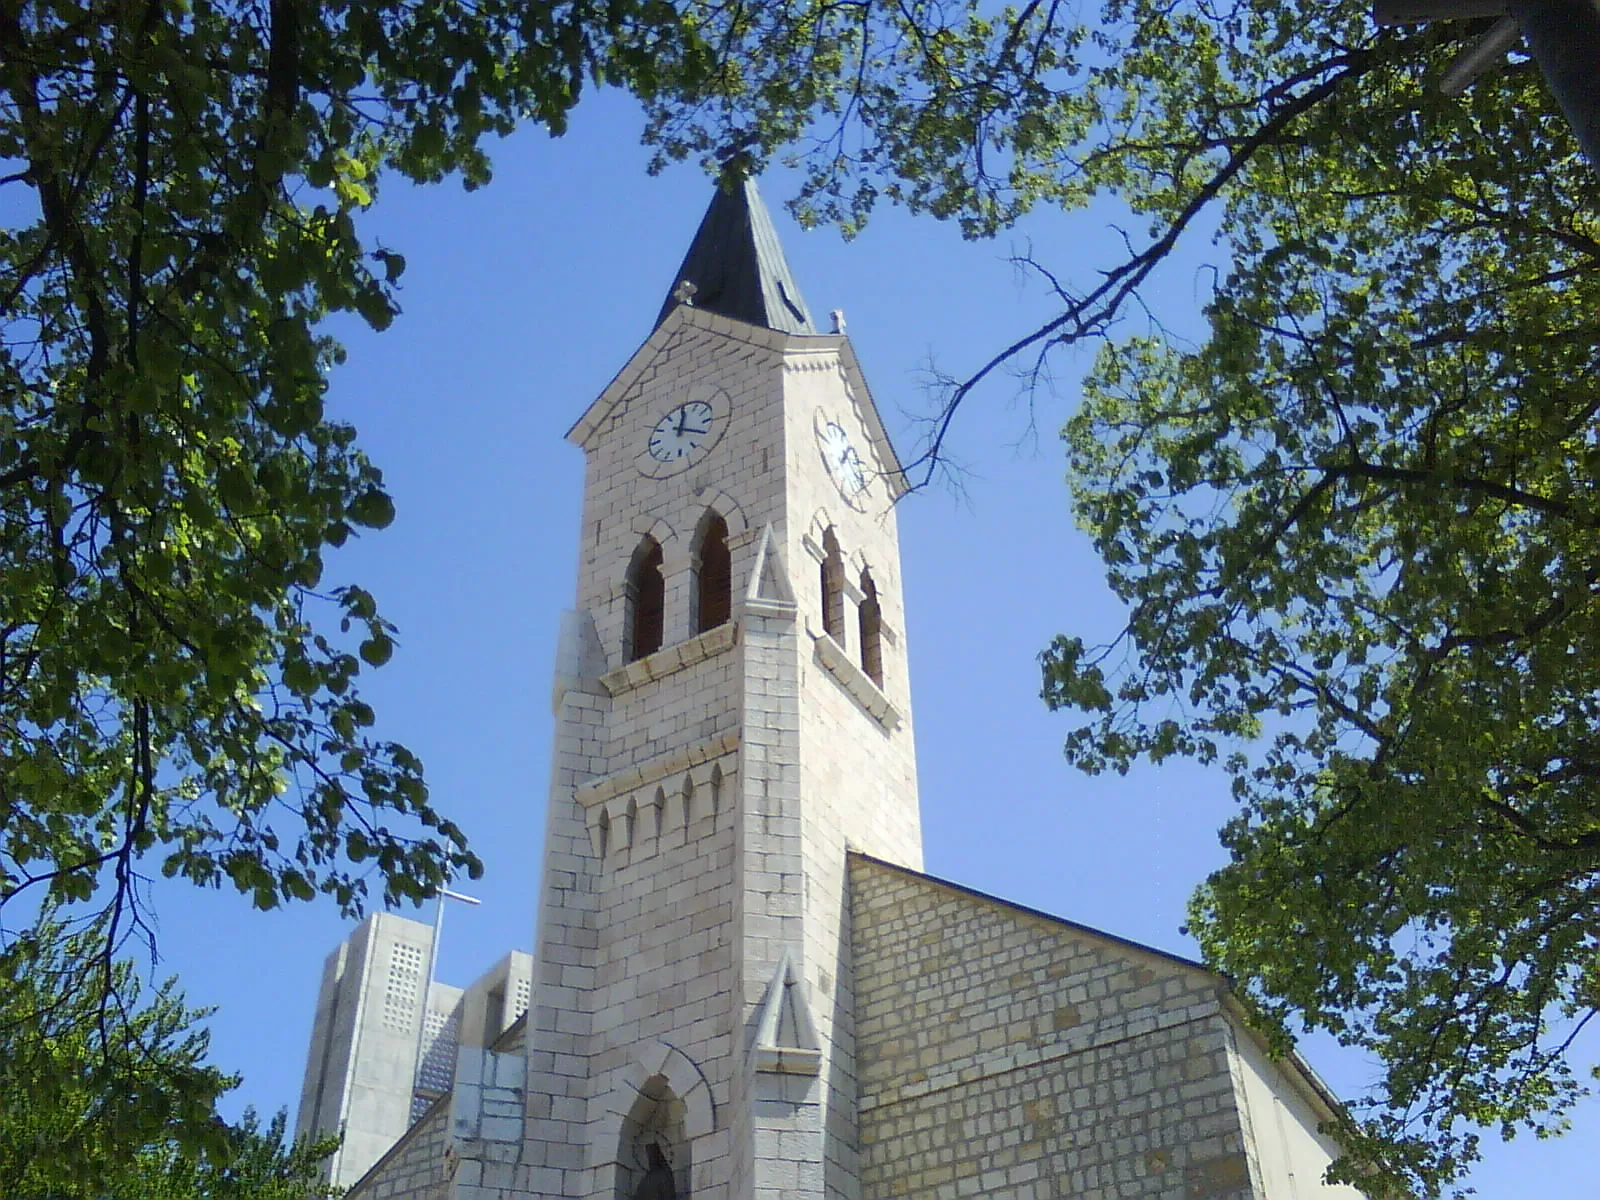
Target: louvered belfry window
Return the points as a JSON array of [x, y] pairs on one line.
[[714, 601], [871, 614], [832, 588], [647, 600]]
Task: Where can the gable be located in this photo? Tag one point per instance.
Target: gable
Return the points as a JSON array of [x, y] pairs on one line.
[[1048, 926], [681, 323], [1033, 1044]]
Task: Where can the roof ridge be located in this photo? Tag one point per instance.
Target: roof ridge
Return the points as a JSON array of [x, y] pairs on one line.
[[1053, 918]]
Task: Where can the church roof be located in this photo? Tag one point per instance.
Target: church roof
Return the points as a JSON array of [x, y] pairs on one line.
[[1312, 1082], [736, 265], [1039, 914]]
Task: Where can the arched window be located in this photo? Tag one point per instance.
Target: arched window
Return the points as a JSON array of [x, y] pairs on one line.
[[713, 577], [653, 1151], [871, 614], [647, 600], [832, 587]]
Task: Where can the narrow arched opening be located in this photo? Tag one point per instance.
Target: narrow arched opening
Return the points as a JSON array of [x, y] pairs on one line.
[[713, 576], [653, 1149], [628, 829], [832, 587], [870, 613], [647, 601]]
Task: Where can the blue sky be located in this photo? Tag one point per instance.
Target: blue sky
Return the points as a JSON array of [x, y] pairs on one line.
[[521, 301]]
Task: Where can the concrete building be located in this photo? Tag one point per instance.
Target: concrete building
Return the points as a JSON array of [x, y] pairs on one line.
[[361, 1068], [746, 988]]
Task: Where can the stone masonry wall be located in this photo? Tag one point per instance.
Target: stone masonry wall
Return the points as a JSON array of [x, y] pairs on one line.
[[414, 1169], [1005, 1054], [857, 754], [636, 945]]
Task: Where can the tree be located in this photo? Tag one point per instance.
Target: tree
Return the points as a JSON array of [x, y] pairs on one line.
[[1356, 527], [187, 179], [1355, 522], [117, 1101], [254, 1164]]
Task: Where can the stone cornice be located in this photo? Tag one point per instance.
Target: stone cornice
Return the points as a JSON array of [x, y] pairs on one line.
[[670, 659], [641, 775], [854, 680]]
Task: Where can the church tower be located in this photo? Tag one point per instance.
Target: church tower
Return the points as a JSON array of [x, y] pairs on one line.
[[732, 713], [744, 986]]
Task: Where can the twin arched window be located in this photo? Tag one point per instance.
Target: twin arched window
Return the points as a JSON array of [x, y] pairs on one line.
[[644, 627], [869, 613]]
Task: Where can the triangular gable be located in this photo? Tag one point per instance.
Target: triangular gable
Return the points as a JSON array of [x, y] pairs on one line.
[[894, 471], [1165, 957], [833, 350], [770, 592], [596, 415], [786, 1036]]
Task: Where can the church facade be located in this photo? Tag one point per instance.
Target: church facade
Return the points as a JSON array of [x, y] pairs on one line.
[[744, 987]]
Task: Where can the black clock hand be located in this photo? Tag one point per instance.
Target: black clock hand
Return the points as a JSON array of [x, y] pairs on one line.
[[683, 415]]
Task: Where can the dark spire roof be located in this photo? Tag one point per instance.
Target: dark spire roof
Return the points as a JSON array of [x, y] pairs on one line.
[[737, 267]]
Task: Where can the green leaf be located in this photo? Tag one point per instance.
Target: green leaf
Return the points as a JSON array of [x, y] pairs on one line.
[[372, 509]]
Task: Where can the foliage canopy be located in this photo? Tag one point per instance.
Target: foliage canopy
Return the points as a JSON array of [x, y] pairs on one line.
[[184, 182], [116, 1102], [1356, 527], [1355, 522]]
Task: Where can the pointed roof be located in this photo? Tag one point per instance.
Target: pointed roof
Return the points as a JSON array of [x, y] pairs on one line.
[[736, 265], [786, 1036]]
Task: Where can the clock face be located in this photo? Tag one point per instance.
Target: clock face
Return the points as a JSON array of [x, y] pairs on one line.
[[843, 462], [683, 432]]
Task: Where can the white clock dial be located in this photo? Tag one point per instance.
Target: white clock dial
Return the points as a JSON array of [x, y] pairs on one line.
[[682, 432], [844, 464]]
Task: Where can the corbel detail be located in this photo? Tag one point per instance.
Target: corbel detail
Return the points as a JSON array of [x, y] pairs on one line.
[[653, 770]]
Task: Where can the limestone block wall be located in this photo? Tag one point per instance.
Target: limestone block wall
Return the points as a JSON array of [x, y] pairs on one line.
[[486, 1114], [415, 1168], [857, 751], [634, 941], [1008, 1055], [467, 1145], [777, 1116], [637, 942], [626, 494]]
